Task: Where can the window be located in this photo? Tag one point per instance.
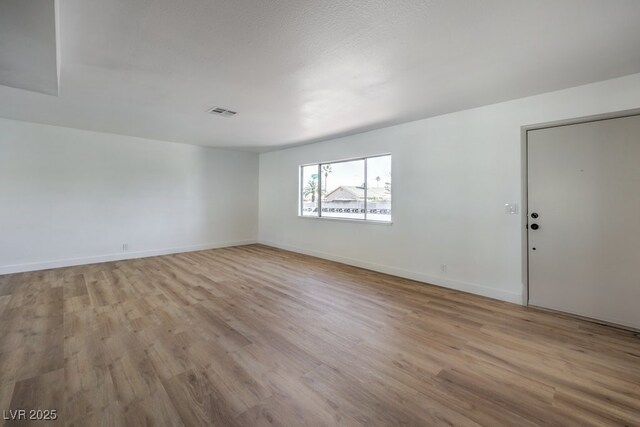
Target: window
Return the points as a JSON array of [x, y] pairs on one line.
[[348, 189], [310, 193]]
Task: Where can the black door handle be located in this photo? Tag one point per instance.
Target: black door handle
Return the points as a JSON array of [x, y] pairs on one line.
[[534, 226]]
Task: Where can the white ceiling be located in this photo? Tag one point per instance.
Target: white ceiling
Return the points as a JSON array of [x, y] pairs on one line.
[[28, 48], [305, 70]]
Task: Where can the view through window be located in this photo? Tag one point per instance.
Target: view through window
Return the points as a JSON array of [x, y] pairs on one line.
[[348, 189]]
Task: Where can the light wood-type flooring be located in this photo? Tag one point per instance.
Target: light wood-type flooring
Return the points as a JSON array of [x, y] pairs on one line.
[[253, 336]]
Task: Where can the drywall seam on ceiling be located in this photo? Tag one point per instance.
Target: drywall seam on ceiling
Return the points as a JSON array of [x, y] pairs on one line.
[[58, 48]]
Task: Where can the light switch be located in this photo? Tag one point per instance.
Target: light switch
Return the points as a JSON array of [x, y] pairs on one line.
[[511, 209]]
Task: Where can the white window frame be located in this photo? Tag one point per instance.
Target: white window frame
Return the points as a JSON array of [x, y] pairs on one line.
[[366, 185]]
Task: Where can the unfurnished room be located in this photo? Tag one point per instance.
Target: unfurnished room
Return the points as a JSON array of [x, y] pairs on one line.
[[320, 213]]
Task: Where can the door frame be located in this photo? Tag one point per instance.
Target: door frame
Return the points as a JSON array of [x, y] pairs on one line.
[[524, 182]]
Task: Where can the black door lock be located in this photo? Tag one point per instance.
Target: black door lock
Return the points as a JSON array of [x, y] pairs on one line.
[[534, 215], [534, 226]]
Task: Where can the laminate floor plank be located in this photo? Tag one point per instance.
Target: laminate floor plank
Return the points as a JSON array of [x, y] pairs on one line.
[[253, 336]]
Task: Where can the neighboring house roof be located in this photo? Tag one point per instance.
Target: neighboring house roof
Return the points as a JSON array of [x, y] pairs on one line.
[[347, 192]]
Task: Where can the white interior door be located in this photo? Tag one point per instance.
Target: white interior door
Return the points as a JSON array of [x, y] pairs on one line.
[[584, 198]]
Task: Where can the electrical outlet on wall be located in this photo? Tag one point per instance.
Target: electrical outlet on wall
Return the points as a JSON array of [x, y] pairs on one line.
[[443, 268], [511, 208], [125, 247]]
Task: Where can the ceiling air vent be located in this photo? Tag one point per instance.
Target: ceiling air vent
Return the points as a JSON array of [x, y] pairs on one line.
[[223, 112]]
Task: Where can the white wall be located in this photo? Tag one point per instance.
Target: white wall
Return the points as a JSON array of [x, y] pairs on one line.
[[452, 175], [69, 196]]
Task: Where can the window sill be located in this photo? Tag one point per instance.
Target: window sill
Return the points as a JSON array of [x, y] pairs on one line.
[[365, 221]]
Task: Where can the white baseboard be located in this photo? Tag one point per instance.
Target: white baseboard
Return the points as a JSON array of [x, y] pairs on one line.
[[458, 285], [439, 281], [69, 262]]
